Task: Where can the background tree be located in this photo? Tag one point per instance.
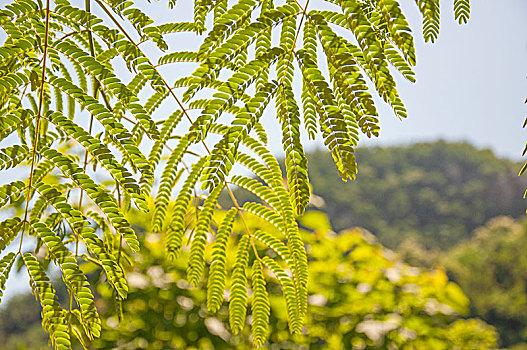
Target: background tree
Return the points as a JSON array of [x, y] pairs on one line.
[[491, 268], [360, 294]]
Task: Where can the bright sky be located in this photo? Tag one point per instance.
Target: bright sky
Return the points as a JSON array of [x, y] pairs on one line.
[[471, 83]]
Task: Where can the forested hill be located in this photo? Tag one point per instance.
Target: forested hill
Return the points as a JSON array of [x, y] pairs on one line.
[[434, 192]]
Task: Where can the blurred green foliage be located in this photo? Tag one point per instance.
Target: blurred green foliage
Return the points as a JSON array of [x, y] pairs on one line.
[[20, 324], [361, 296], [492, 269]]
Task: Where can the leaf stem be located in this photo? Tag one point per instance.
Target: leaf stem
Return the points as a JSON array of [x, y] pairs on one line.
[[37, 122]]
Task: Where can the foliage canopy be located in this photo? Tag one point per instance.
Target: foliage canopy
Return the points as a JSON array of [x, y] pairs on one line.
[[92, 140], [359, 294], [498, 296]]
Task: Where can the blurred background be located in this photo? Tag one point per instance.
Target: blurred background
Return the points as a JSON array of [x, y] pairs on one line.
[[425, 250], [438, 202]]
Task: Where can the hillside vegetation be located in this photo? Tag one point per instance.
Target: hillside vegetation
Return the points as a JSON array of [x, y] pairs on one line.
[[492, 269], [435, 193], [442, 204]]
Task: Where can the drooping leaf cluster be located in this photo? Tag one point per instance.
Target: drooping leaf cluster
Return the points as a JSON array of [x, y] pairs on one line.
[[88, 114], [524, 167]]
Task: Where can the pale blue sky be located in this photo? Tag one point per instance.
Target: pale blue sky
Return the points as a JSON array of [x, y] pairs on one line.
[[472, 83]]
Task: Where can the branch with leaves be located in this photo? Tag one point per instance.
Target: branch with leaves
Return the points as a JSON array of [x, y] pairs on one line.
[[86, 145]]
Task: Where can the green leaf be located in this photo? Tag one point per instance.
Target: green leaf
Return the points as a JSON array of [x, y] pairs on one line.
[[73, 277], [218, 271], [196, 261], [54, 318], [430, 11], [296, 161], [11, 156], [462, 10], [104, 201], [169, 179], [5, 267], [261, 308], [176, 229], [288, 289], [238, 292]]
